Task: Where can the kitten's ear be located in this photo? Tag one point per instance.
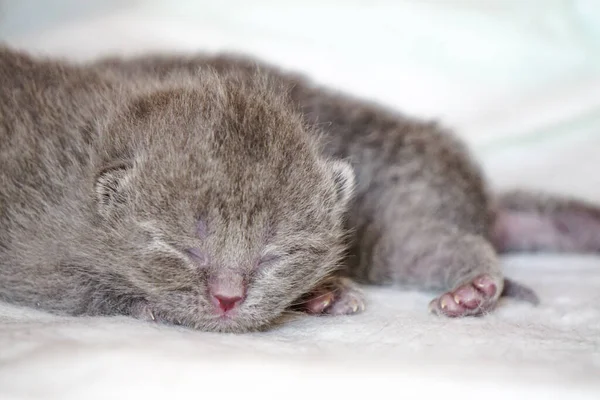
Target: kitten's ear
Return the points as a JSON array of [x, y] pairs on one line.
[[110, 187], [344, 180]]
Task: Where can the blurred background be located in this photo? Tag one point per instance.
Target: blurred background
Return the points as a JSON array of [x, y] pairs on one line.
[[519, 80]]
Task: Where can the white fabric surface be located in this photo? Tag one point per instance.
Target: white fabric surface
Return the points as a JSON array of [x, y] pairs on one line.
[[519, 82]]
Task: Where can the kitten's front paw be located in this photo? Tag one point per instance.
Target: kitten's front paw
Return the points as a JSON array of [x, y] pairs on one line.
[[338, 296], [470, 299]]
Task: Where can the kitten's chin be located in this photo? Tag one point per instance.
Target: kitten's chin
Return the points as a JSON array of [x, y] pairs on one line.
[[234, 321], [231, 325]]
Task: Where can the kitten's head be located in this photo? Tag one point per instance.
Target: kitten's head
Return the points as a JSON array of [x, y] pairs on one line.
[[217, 209]]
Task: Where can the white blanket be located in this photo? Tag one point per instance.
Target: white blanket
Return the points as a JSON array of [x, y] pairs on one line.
[[520, 83]]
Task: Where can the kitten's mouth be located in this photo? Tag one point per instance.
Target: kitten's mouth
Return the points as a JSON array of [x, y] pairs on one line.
[[226, 316]]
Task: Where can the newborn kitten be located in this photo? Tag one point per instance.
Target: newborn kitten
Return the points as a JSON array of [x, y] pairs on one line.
[[199, 199], [194, 190], [422, 215]]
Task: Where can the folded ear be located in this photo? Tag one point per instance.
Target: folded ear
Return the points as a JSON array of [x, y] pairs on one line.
[[110, 187], [344, 180]]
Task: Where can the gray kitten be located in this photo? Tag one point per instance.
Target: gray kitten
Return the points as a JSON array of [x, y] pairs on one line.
[[195, 190]]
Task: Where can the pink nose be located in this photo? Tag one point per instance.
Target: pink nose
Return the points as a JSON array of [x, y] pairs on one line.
[[227, 303]]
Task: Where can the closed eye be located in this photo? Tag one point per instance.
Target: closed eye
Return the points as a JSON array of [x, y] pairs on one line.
[[197, 256]]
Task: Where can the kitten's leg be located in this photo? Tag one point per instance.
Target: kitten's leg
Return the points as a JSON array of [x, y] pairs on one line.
[[336, 296], [434, 255]]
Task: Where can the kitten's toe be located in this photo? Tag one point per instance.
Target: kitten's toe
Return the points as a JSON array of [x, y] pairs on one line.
[[339, 296], [473, 298]]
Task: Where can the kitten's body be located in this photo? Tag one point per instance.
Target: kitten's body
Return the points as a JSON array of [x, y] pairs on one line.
[[421, 217]]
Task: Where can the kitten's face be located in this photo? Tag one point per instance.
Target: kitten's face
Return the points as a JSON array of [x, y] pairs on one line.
[[225, 232]]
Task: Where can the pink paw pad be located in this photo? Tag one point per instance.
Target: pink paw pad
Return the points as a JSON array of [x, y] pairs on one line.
[[473, 298]]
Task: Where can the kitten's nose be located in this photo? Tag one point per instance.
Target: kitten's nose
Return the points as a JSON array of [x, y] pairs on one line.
[[227, 303], [227, 290]]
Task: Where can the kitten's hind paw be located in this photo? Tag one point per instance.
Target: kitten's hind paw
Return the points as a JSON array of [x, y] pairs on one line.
[[473, 298]]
